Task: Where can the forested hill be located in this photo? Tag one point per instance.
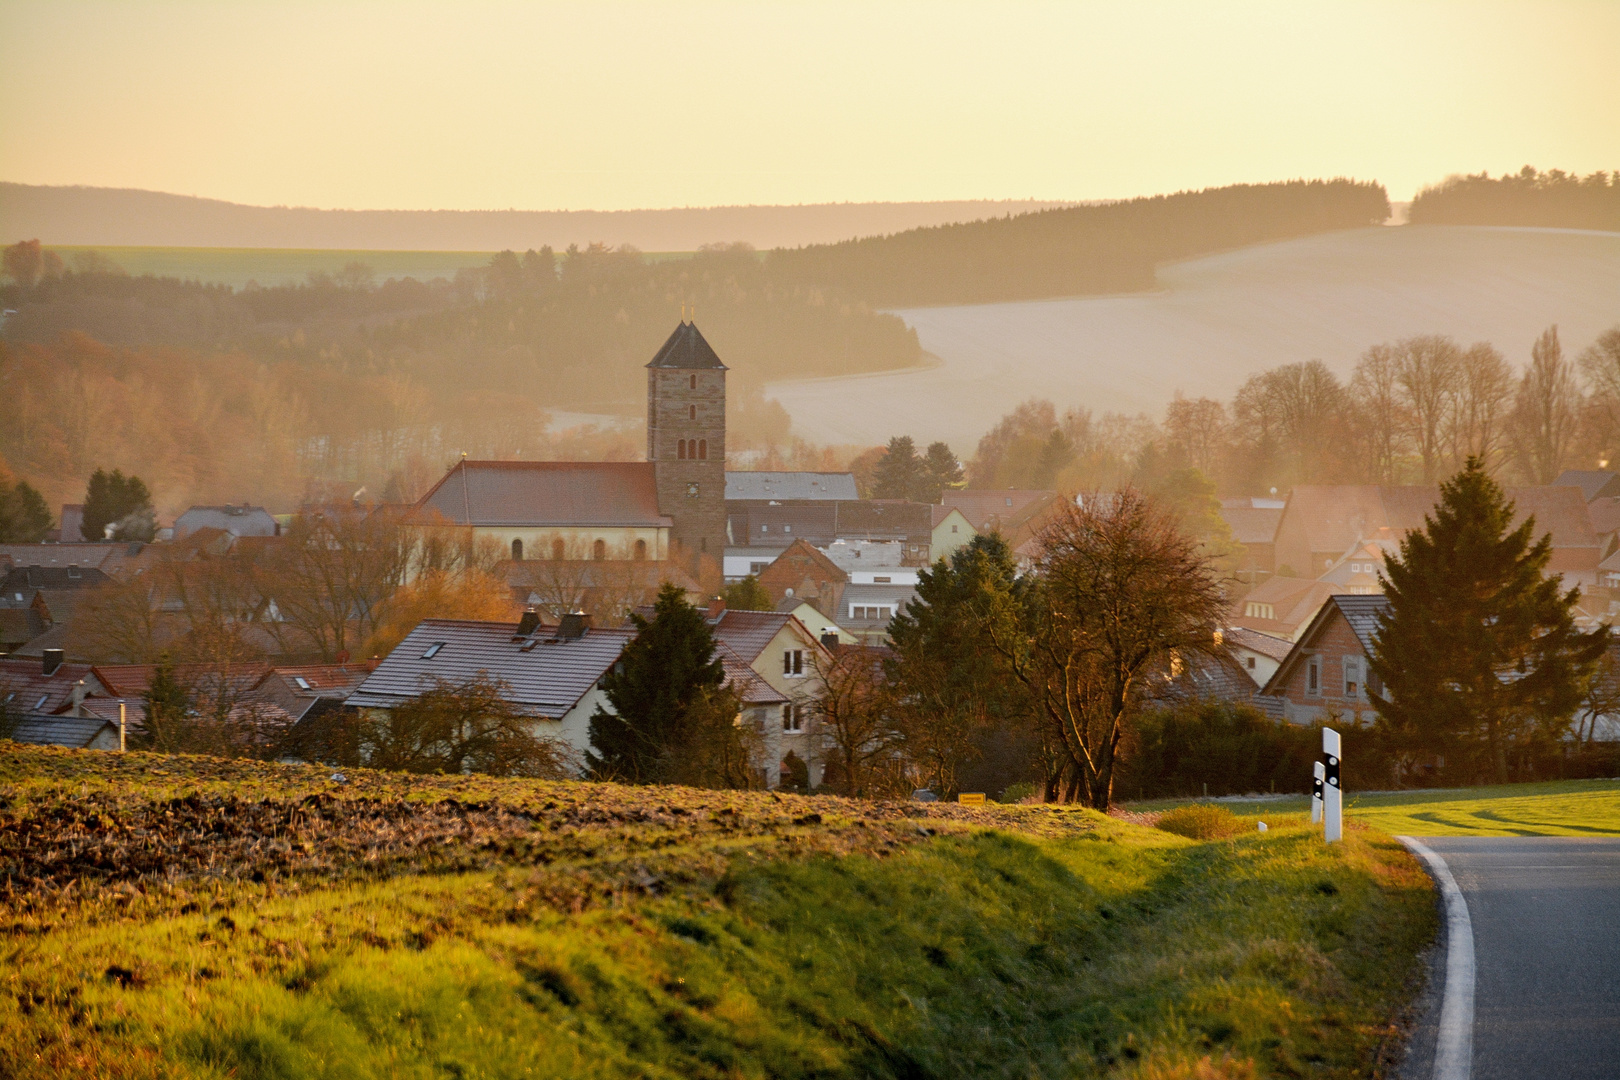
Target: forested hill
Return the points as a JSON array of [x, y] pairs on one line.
[[1552, 199], [1076, 250]]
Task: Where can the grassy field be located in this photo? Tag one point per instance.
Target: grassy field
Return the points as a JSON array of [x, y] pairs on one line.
[[1563, 808], [194, 918]]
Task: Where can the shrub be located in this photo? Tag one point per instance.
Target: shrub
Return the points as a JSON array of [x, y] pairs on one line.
[[1201, 821]]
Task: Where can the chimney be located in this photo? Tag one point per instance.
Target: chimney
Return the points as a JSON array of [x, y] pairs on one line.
[[53, 659], [717, 608], [527, 624], [79, 691], [829, 639], [573, 626]]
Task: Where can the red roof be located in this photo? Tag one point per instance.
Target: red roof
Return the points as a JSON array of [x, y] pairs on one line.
[[982, 505], [25, 687], [132, 680], [543, 494]]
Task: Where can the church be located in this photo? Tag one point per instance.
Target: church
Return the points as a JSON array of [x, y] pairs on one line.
[[672, 507]]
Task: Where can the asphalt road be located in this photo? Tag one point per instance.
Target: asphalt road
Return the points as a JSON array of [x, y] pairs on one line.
[[1546, 926]]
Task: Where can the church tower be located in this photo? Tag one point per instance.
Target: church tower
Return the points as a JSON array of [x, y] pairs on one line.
[[686, 441]]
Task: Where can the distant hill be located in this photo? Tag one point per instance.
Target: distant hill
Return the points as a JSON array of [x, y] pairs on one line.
[[126, 217], [1552, 199]]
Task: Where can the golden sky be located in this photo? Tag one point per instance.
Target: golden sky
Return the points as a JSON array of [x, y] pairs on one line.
[[472, 105]]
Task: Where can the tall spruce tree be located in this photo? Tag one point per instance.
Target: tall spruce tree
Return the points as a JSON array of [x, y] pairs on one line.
[[941, 472], [24, 517], [899, 473], [1479, 653], [661, 675], [120, 501]]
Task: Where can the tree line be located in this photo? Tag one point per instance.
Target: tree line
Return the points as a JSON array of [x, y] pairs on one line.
[[1413, 411], [1551, 199], [1076, 250]]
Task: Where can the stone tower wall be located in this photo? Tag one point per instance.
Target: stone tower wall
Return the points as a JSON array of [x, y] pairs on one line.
[[700, 520]]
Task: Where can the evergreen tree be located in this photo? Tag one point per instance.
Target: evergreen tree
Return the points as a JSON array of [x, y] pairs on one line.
[[941, 472], [748, 595], [899, 472], [24, 517], [168, 710], [1479, 653], [1056, 455], [653, 688], [121, 501]]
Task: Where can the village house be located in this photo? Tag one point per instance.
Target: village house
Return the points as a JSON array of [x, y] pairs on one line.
[[784, 653], [1253, 522], [553, 674], [1259, 655], [1281, 606], [244, 520], [1326, 676], [803, 573], [951, 531]]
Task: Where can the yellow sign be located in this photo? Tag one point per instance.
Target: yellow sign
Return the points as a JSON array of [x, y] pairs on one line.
[[971, 798]]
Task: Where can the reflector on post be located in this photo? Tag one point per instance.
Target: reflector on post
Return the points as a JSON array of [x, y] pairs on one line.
[[1332, 796], [1316, 791]]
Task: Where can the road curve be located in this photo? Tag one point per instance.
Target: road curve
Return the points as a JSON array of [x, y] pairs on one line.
[[1545, 915]]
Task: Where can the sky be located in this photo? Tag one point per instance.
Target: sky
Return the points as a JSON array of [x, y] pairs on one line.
[[469, 105]]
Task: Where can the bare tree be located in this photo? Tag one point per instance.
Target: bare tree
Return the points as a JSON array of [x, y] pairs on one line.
[[1600, 362], [1197, 429], [1546, 410], [1426, 372], [1480, 409], [329, 580], [1381, 412], [1294, 415], [1118, 591], [859, 734], [456, 727]]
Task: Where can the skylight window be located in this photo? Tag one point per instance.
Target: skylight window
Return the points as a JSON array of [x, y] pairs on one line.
[[303, 683], [433, 650], [40, 704]]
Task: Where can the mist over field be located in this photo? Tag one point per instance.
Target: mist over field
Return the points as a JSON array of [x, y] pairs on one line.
[[1214, 321]]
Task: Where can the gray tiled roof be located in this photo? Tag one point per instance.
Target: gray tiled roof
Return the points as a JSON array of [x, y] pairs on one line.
[[547, 678], [75, 731], [545, 493], [746, 633], [686, 348], [790, 485], [236, 520], [1362, 613]]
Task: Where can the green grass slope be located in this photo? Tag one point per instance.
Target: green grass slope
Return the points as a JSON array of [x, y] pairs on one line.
[[193, 918], [1561, 808]]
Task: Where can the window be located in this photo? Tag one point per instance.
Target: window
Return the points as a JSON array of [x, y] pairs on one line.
[[1259, 611], [763, 529], [793, 719], [73, 571], [787, 528], [691, 412], [599, 550], [757, 568], [1352, 676], [953, 528], [693, 383], [703, 449], [641, 550], [793, 662], [558, 549], [1249, 663], [303, 683], [1313, 675], [517, 550], [871, 611], [433, 650], [881, 580], [1375, 685]]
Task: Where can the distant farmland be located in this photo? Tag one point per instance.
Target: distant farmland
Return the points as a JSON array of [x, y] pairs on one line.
[[1218, 319]]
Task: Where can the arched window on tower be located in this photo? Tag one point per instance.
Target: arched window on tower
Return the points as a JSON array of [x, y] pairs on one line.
[[517, 550], [694, 382], [691, 412], [641, 550], [703, 449], [558, 550], [681, 449], [599, 550]]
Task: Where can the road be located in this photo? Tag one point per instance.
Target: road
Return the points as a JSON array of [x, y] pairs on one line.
[[1545, 913]]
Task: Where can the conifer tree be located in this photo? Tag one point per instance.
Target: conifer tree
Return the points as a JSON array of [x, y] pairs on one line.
[[899, 472], [120, 501], [941, 472], [749, 595], [168, 710], [1479, 653], [24, 517], [653, 688]]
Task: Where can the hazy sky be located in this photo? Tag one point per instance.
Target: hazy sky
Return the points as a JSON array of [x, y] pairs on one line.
[[607, 106]]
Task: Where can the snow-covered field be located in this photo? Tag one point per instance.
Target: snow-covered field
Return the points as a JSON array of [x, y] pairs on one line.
[[1219, 319]]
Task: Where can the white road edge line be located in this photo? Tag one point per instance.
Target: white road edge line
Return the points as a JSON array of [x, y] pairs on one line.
[[1454, 1049]]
